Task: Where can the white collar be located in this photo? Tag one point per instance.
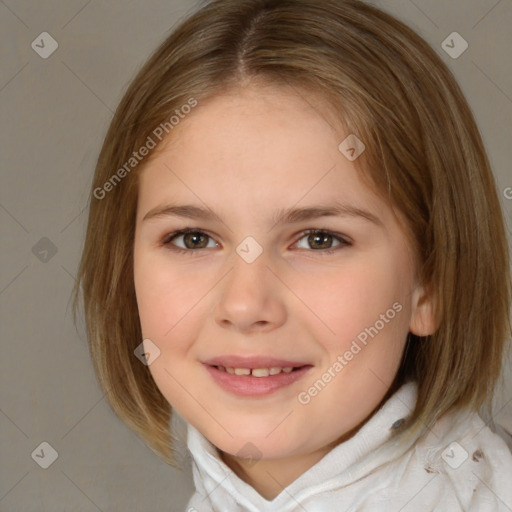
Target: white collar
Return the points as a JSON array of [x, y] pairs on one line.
[[345, 463]]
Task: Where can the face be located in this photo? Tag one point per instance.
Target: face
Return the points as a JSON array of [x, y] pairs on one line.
[[290, 262]]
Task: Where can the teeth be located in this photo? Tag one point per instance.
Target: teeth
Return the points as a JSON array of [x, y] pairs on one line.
[[260, 372], [256, 372]]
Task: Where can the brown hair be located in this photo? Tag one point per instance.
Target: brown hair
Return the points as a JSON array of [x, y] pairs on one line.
[[423, 152]]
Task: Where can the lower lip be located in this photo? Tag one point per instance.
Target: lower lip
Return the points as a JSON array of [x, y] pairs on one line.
[[247, 385]]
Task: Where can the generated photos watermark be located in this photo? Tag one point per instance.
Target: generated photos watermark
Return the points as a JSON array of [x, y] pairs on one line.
[[305, 397], [157, 135]]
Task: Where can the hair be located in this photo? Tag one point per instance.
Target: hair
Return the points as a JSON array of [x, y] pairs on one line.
[[424, 154]]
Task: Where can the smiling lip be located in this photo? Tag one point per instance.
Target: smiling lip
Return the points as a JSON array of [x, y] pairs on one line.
[[252, 362], [248, 385]]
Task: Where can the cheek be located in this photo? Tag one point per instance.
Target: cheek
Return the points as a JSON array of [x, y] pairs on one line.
[[168, 309], [351, 297], [166, 296]]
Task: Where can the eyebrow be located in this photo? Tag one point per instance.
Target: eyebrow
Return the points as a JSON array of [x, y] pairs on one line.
[[286, 216]]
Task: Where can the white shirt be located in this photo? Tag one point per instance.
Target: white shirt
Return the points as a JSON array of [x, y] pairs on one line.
[[474, 475]]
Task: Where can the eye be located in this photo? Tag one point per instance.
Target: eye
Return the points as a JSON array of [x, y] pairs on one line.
[[191, 239], [322, 240]]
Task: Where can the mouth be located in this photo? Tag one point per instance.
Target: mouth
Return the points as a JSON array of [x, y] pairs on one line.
[[255, 376], [258, 372]]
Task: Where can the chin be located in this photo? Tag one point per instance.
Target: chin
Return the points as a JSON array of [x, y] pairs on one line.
[[257, 446]]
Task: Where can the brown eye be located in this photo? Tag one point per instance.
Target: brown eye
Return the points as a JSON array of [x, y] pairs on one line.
[[195, 240], [320, 240], [190, 240]]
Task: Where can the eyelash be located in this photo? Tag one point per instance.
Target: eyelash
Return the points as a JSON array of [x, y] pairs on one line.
[[166, 242]]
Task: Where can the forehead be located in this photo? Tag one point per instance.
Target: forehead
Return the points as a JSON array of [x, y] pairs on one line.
[[254, 148], [266, 121]]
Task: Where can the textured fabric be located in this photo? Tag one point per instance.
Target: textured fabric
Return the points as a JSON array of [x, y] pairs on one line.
[[459, 465]]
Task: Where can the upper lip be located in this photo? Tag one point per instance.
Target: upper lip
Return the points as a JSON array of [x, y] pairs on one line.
[[253, 362]]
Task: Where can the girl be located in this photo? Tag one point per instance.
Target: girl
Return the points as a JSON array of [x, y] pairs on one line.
[[295, 242]]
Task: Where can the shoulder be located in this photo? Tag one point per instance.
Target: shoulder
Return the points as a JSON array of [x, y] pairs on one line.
[[471, 462]]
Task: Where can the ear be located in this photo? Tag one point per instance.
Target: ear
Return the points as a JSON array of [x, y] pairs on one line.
[[423, 321]]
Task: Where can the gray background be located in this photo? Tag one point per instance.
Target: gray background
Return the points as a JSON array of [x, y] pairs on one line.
[[54, 114]]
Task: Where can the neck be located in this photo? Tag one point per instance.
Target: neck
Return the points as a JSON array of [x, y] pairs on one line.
[[269, 477]]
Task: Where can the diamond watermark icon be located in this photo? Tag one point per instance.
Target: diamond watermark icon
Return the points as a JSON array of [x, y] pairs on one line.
[[44, 45], [454, 455], [45, 455], [454, 45], [249, 249], [44, 250], [147, 352], [352, 147], [250, 453]]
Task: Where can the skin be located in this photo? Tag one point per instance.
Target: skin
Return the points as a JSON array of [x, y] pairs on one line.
[[245, 155]]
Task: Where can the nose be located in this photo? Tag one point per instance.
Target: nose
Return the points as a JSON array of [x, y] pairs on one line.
[[251, 298]]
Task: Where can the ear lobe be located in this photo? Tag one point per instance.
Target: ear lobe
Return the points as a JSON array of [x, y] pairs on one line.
[[423, 321]]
